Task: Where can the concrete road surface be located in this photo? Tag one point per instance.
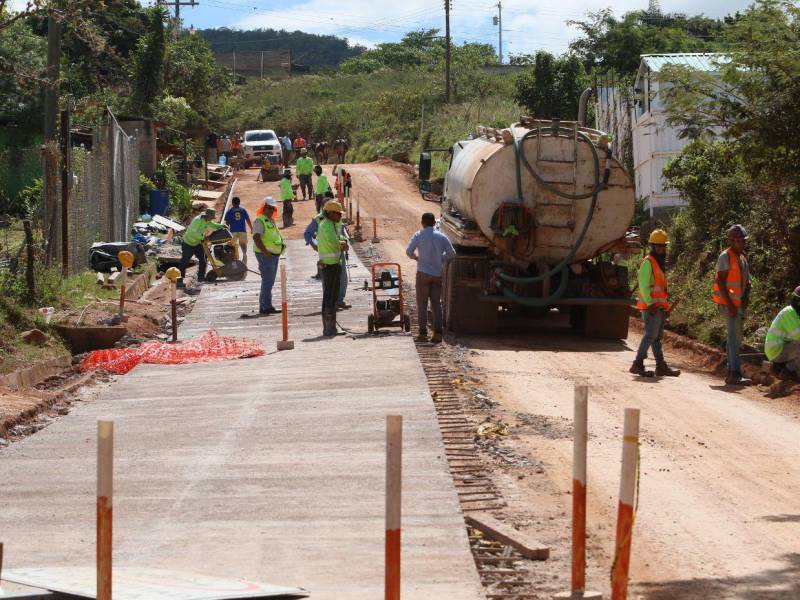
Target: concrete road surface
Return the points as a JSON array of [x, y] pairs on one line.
[[269, 469]]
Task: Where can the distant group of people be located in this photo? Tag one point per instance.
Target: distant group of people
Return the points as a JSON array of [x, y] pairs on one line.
[[223, 144], [297, 147]]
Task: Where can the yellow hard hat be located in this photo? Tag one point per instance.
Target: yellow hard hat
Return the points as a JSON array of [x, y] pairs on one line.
[[658, 236], [332, 206], [173, 273]]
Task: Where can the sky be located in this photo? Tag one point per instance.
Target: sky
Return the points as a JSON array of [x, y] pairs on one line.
[[528, 25]]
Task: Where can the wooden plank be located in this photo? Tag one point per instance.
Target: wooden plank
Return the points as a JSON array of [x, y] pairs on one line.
[[520, 541]]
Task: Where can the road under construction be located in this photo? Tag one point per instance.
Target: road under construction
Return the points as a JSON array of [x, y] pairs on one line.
[[272, 468]]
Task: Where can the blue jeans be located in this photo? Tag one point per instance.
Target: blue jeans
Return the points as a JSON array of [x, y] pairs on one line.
[[342, 282], [268, 267], [734, 342], [653, 332]]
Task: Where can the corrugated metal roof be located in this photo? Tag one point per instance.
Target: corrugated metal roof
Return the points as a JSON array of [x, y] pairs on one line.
[[696, 60]]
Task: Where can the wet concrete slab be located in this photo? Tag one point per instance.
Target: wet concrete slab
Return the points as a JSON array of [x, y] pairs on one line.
[[270, 469]]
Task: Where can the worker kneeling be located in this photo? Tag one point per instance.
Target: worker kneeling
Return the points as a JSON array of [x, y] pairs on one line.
[[782, 345], [655, 306], [269, 246], [331, 244]]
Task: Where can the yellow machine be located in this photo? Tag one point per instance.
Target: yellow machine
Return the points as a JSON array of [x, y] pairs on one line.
[[222, 254]]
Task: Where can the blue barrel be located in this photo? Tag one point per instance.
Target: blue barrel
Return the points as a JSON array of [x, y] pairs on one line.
[[159, 202]]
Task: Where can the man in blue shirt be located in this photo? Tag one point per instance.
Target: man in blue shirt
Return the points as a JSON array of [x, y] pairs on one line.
[[430, 248], [237, 221], [286, 143]]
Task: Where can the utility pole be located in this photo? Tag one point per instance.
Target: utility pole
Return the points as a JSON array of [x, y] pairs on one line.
[[447, 51], [53, 74], [178, 4], [500, 30]]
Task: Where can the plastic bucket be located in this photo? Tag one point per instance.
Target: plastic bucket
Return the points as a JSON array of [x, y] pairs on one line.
[[159, 202]]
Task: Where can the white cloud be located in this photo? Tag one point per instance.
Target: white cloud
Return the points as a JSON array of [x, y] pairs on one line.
[[528, 27]]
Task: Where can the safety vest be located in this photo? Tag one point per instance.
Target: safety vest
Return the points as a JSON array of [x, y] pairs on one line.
[[735, 283], [329, 237], [322, 185], [197, 229], [304, 166], [785, 328], [272, 238], [287, 193], [659, 292], [299, 143]]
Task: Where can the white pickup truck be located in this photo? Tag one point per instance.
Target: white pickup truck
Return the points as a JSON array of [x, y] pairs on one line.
[[260, 143]]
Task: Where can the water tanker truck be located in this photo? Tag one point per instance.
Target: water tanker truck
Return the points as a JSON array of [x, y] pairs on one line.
[[534, 211]]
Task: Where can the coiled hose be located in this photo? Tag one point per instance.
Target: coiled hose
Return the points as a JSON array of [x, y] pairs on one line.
[[561, 268]]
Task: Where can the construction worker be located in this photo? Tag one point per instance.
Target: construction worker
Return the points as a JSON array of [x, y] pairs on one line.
[[782, 345], [286, 144], [269, 246], [430, 248], [323, 186], [238, 221], [655, 306], [331, 243], [732, 295], [304, 168], [287, 197], [309, 235], [298, 144], [192, 244]]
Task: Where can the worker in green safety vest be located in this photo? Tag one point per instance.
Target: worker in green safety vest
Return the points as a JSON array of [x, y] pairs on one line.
[[304, 167], [269, 246], [331, 244], [323, 186], [782, 345], [287, 197], [192, 244]]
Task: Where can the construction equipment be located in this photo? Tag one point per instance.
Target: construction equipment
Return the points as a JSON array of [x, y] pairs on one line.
[[222, 254], [270, 168], [531, 210], [387, 298]]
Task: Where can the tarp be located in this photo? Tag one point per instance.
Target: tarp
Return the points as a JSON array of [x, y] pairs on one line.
[[206, 348]]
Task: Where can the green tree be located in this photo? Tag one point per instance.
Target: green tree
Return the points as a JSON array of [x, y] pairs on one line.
[[147, 70], [551, 87], [191, 72]]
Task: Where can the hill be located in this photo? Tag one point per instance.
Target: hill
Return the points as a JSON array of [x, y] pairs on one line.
[[307, 48]]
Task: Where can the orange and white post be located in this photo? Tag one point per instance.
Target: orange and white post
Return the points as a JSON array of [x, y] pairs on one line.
[[285, 343], [394, 471], [581, 437], [627, 498], [105, 493]]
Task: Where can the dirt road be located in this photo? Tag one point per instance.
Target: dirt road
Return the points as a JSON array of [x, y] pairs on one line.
[[720, 481]]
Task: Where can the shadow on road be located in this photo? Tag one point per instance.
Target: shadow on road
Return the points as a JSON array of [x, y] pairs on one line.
[[771, 584]]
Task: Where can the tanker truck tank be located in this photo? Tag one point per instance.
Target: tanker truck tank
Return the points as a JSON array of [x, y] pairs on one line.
[[530, 209]]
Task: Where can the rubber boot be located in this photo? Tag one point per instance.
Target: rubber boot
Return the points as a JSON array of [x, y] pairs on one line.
[[663, 370], [637, 368], [329, 323], [436, 338]]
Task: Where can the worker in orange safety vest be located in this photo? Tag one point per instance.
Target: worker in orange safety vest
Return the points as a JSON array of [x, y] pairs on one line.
[[732, 296], [655, 306]]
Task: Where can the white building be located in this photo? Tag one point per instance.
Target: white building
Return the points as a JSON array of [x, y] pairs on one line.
[[655, 142]]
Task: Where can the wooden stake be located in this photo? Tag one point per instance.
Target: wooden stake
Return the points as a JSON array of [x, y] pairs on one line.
[[105, 494], [174, 301], [580, 433], [394, 464], [285, 343], [375, 239], [627, 496]]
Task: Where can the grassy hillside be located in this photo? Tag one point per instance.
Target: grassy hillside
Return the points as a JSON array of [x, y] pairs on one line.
[[385, 111]]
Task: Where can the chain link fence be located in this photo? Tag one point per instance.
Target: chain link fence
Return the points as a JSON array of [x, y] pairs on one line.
[[104, 194]]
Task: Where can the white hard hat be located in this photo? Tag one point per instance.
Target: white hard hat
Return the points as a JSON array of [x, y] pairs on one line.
[[270, 201]]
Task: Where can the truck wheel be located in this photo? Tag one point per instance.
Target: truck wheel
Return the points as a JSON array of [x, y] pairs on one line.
[[406, 323], [370, 323]]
